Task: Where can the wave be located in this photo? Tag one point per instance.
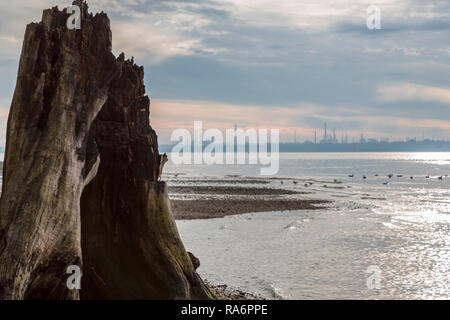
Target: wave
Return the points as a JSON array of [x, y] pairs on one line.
[[279, 293]]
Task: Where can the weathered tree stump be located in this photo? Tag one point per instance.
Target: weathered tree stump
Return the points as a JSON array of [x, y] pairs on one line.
[[80, 175]]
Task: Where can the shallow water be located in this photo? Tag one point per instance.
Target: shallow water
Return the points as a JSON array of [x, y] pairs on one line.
[[402, 228]]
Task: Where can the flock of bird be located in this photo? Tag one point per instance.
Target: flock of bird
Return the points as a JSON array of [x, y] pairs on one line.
[[390, 176]]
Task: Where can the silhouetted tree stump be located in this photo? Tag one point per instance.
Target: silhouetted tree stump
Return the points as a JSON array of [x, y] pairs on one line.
[[80, 175]]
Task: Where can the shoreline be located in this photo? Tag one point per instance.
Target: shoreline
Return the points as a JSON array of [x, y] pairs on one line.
[[224, 292], [234, 191], [239, 200], [216, 208], [209, 202]]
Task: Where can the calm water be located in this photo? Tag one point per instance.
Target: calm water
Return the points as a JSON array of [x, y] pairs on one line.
[[403, 228]]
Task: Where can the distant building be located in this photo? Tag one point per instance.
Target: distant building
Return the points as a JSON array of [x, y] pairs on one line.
[[362, 139], [329, 138]]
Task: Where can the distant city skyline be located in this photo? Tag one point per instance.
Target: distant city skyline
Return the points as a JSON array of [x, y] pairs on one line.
[[336, 136], [331, 145], [333, 138]]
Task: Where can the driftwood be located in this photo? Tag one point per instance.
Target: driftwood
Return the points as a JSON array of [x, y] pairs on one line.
[[80, 175]]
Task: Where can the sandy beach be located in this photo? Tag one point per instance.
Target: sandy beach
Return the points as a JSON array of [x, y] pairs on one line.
[[206, 209], [220, 201]]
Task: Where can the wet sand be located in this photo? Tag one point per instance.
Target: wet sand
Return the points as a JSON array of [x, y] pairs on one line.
[[225, 181], [207, 201], [207, 209], [238, 191]]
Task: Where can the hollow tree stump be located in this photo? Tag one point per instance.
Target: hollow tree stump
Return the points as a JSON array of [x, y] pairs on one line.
[[80, 175]]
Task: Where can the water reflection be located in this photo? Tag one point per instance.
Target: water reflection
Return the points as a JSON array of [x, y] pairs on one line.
[[402, 227]]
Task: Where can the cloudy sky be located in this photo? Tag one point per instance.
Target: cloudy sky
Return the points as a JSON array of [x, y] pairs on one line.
[[288, 64]]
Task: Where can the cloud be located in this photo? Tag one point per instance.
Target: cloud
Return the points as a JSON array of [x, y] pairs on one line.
[[145, 42], [391, 26], [413, 92], [261, 56]]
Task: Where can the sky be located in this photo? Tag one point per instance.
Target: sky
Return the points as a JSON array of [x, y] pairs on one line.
[[284, 64]]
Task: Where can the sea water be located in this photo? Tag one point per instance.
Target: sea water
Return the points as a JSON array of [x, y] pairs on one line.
[[402, 228]]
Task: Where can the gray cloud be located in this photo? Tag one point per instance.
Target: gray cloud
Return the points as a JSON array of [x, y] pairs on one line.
[[285, 54], [393, 26]]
